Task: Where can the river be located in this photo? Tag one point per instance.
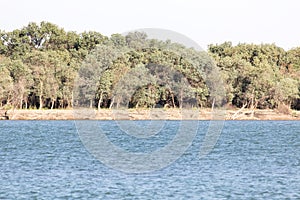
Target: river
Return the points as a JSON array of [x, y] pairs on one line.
[[251, 159]]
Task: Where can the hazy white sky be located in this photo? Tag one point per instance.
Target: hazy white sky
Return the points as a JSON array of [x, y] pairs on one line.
[[204, 21]]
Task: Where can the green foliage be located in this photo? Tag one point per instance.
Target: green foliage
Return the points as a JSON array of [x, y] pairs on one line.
[[41, 63], [6, 83], [257, 75]]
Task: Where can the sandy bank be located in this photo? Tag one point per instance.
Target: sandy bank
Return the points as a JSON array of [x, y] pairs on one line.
[[145, 114]]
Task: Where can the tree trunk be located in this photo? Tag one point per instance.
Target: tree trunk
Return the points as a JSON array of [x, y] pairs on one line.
[[252, 100], [181, 99], [236, 114], [173, 101], [41, 94], [91, 103], [213, 104], [254, 107], [118, 103], [200, 103], [26, 104], [21, 103], [112, 103], [68, 103], [52, 104], [100, 100], [72, 99], [41, 102]]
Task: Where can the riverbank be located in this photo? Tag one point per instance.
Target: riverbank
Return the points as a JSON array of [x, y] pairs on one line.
[[148, 114]]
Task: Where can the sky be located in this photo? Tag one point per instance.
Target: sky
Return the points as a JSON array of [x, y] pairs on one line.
[[204, 21]]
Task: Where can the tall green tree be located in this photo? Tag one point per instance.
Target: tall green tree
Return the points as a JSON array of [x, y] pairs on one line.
[[6, 84]]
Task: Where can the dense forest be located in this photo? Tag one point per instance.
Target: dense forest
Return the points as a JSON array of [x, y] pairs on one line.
[[39, 64]]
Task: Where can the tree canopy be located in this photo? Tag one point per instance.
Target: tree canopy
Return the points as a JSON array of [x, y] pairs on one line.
[[44, 66]]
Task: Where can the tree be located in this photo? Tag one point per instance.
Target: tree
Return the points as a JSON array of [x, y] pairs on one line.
[[22, 82], [39, 64], [6, 84], [286, 91], [251, 72], [94, 72]]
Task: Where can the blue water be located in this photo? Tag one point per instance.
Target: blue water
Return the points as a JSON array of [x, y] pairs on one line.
[[252, 159]]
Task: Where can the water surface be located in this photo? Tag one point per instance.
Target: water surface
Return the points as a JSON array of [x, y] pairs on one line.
[[252, 159]]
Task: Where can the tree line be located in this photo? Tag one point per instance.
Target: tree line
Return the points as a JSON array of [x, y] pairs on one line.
[[40, 63]]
